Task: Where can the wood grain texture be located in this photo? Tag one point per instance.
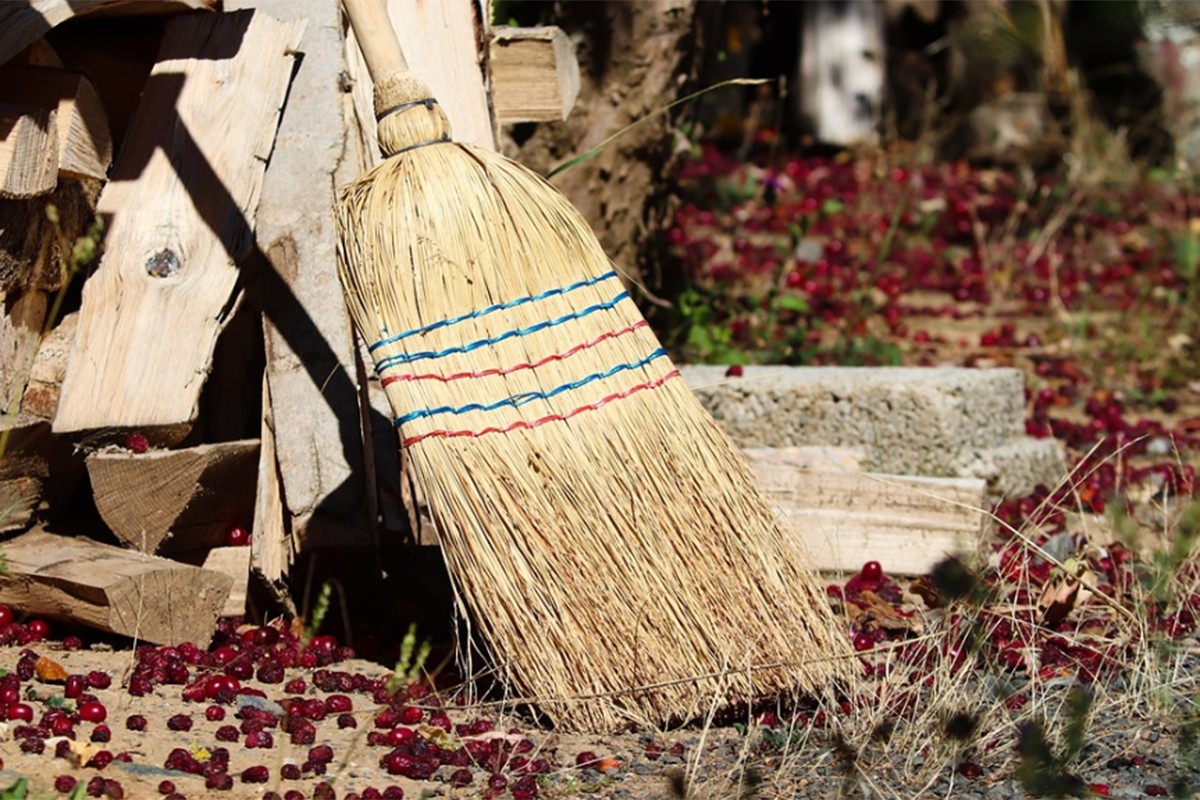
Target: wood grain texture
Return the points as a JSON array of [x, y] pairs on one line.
[[84, 141], [46, 373], [181, 204], [112, 589], [20, 333], [28, 150], [844, 519], [534, 72], [234, 562], [442, 43], [167, 501]]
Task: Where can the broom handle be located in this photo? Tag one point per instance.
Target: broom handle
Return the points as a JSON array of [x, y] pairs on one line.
[[376, 37]]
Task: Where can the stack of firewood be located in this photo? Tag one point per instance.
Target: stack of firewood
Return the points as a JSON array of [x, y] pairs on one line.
[[177, 361]]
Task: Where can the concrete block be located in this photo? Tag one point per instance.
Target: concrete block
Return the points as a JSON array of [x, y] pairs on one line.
[[935, 421]]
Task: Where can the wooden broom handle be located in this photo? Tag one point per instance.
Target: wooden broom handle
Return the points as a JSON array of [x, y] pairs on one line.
[[376, 37]]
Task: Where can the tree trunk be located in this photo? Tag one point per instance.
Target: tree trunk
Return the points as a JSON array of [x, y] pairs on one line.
[[634, 59]]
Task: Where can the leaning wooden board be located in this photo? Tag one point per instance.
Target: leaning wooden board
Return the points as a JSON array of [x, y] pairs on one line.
[[845, 518], [181, 207]]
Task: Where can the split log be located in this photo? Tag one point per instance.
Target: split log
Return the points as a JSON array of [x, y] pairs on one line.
[[112, 589], [166, 501], [28, 150], [46, 374], [844, 519], [84, 142], [36, 470], [22, 24], [233, 562], [20, 333], [23, 470], [535, 75], [182, 203]]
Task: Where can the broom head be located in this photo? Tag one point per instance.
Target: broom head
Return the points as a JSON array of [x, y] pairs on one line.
[[603, 534]]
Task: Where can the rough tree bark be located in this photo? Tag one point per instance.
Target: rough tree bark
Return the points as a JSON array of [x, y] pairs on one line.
[[634, 59]]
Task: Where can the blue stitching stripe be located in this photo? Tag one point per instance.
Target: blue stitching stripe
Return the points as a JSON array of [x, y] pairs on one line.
[[408, 358], [520, 301], [518, 400]]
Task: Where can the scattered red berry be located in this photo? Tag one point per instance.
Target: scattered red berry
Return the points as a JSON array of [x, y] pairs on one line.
[[237, 536], [256, 774], [872, 571], [179, 722], [93, 711], [137, 443]]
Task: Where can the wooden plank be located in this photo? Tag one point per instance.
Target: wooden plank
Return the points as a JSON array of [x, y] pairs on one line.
[[22, 24], [165, 501], [535, 74], [76, 579], [84, 141], [309, 340], [28, 150], [442, 42], [844, 519], [182, 203]]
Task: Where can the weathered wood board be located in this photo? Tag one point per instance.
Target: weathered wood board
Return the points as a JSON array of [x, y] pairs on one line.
[[442, 42], [844, 519], [181, 205], [112, 589], [165, 501], [316, 451]]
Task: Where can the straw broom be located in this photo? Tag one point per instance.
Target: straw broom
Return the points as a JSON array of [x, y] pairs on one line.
[[601, 532]]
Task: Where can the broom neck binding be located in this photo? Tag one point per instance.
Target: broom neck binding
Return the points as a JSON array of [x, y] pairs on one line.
[[408, 116]]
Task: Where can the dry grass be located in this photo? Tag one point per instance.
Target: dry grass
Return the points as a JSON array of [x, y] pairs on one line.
[[603, 535], [899, 740]]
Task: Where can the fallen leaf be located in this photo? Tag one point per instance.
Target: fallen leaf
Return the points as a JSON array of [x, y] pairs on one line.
[[607, 764], [1069, 586], [49, 671], [439, 736], [79, 752]]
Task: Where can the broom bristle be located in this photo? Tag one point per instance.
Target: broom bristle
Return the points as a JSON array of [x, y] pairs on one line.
[[600, 529]]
